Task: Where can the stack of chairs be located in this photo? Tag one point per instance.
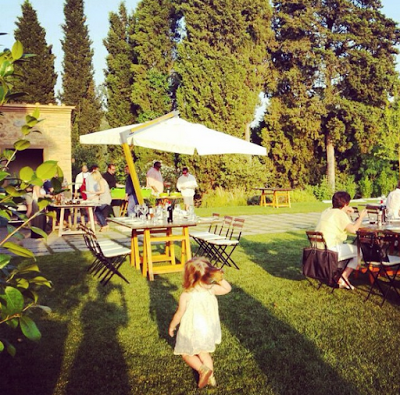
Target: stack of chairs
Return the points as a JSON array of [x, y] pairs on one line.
[[108, 256], [219, 242]]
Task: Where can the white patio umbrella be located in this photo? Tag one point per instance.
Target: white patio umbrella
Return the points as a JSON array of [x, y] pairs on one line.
[[172, 134], [175, 135]]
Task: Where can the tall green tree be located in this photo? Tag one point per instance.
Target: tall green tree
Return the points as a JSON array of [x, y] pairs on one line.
[[38, 76], [119, 77], [154, 48], [337, 71], [78, 87], [223, 64]]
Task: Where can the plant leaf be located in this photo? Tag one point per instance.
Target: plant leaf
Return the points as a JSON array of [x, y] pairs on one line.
[[47, 170], [26, 174], [25, 268], [22, 283], [40, 280], [11, 349], [36, 113], [3, 175], [1, 346], [26, 129], [17, 50], [46, 309], [14, 301], [4, 260], [18, 250], [22, 145], [39, 231], [29, 328], [42, 203]]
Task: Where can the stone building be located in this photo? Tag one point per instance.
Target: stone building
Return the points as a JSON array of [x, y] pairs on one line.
[[52, 143]]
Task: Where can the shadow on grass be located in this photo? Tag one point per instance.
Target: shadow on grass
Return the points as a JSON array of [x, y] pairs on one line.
[[291, 363], [62, 298], [100, 366], [280, 257], [162, 306]]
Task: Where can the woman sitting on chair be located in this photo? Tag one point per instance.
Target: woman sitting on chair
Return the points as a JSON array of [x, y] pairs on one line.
[[335, 223]]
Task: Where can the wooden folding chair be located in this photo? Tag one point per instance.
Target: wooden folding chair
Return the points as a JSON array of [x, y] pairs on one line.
[[322, 264], [108, 256], [221, 250]]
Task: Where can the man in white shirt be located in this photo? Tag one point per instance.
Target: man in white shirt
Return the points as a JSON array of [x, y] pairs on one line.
[[79, 179], [154, 179], [186, 185], [393, 203]]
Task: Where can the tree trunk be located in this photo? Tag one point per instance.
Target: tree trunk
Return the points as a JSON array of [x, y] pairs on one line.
[[330, 163]]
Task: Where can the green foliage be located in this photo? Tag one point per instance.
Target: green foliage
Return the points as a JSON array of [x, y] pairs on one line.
[[17, 287], [303, 195], [366, 187], [346, 183], [220, 197], [323, 191], [77, 80], [118, 75], [38, 77]]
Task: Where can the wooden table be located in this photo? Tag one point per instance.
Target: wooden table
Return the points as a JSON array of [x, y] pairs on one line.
[[73, 219], [280, 197], [157, 232]]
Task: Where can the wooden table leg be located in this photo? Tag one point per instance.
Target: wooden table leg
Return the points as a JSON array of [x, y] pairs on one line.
[[91, 219], [263, 202], [186, 248], [61, 222], [147, 257]]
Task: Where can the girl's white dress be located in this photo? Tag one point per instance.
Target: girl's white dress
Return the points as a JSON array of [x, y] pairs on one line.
[[200, 328]]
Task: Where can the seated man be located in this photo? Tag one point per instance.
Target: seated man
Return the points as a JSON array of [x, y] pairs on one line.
[[335, 223], [393, 203]]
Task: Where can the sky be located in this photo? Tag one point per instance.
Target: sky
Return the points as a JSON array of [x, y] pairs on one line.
[[51, 16]]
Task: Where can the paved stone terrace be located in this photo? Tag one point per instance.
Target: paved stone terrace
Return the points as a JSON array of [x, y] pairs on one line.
[[254, 224]]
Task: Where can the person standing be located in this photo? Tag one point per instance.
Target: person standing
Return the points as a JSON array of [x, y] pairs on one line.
[[200, 328], [80, 182], [154, 179], [109, 176], [91, 184], [130, 194], [393, 203], [187, 184], [103, 197]]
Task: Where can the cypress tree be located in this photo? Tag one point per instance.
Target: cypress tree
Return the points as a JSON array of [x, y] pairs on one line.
[[39, 77], [119, 78], [223, 65], [77, 78], [154, 47]]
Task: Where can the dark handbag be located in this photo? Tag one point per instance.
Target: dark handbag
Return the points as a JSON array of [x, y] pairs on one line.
[[320, 264]]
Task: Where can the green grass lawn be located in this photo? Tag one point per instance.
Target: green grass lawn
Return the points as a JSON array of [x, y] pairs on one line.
[[280, 336], [257, 210]]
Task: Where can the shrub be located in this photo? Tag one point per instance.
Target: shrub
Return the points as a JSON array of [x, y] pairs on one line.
[[224, 198], [366, 187], [303, 195], [346, 183]]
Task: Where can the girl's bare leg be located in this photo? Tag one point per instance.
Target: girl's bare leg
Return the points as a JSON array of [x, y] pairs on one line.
[[193, 361], [206, 359]]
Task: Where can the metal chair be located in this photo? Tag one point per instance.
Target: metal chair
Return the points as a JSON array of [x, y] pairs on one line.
[[382, 261]]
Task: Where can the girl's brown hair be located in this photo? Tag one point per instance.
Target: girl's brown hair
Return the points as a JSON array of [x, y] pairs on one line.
[[198, 270]]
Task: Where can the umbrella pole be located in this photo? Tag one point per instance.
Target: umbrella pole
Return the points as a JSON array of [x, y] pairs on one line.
[[132, 172]]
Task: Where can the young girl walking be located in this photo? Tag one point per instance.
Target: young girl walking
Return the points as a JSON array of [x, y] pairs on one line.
[[200, 329]]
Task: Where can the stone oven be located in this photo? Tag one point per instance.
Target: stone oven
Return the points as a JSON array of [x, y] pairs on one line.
[[52, 143]]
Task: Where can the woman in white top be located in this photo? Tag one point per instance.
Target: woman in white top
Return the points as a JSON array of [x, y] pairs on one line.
[[103, 197], [335, 223]]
